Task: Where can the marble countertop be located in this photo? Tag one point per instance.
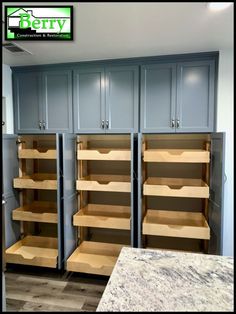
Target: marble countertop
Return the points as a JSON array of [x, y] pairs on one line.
[[159, 280]]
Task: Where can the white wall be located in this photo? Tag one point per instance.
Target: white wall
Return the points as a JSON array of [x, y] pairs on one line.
[[7, 92], [225, 115]]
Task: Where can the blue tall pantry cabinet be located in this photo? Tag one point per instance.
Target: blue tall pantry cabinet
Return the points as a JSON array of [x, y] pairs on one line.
[[124, 131]]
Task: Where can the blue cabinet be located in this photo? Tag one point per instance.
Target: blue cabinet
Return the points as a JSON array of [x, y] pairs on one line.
[[27, 102], [106, 100], [178, 97], [43, 102], [195, 96], [89, 100], [158, 98]]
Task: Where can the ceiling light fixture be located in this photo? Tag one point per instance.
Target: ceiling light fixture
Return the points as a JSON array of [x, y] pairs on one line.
[[217, 6]]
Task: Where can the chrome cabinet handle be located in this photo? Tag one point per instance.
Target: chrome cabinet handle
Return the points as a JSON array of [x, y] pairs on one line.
[[107, 124], [103, 124], [177, 123], [44, 125], [40, 124], [173, 123]]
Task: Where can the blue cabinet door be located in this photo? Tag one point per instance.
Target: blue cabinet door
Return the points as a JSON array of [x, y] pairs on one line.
[[158, 98], [121, 99], [89, 100], [57, 101], [195, 96], [27, 102]]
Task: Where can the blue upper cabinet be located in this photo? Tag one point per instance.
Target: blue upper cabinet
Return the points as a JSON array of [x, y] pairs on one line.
[[106, 100], [178, 97], [89, 100], [27, 102], [57, 101], [158, 98], [121, 99], [43, 102], [195, 96]]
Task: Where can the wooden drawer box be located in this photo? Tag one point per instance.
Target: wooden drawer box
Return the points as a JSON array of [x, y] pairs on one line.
[[103, 216], [35, 251], [176, 187], [37, 154], [177, 155], [36, 211], [109, 183], [104, 154], [176, 224], [42, 181], [94, 258]]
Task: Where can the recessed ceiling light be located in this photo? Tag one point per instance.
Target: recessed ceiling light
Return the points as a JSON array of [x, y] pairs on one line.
[[217, 6]]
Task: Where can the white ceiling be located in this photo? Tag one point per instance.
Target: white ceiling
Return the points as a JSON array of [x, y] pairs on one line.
[[120, 30]]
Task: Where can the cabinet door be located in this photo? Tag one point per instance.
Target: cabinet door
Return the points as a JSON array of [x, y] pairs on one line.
[[27, 102], [121, 99], [89, 101], [158, 90], [70, 206], [57, 101], [195, 96], [216, 193]]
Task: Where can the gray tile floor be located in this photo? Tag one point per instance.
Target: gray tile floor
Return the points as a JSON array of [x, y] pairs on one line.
[[37, 289]]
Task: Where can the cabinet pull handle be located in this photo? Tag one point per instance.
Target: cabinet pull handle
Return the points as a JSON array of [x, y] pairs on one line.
[[107, 124], [177, 123], [103, 124], [3, 123], [173, 123], [44, 125], [40, 124]]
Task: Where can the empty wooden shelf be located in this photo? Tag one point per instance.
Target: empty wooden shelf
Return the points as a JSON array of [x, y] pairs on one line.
[[176, 224], [37, 211], [44, 181], [177, 155], [35, 251], [104, 154], [109, 183], [94, 258], [103, 216], [176, 187], [37, 154]]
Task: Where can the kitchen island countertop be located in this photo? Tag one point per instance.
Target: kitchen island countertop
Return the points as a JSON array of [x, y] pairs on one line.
[[160, 280]]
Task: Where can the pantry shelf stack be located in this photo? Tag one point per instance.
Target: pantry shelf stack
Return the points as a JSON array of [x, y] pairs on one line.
[[38, 245], [98, 251], [175, 223]]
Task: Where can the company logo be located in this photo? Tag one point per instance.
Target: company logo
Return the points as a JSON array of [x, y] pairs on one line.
[[39, 23]]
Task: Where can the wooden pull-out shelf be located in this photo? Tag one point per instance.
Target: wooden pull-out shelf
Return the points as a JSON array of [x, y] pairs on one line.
[[177, 155], [94, 258], [35, 251], [42, 181], [104, 154], [176, 187], [109, 183], [36, 211], [176, 224], [103, 216], [37, 154]]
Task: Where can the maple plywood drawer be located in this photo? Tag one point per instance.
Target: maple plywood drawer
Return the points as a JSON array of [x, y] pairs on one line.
[[35, 251], [94, 258]]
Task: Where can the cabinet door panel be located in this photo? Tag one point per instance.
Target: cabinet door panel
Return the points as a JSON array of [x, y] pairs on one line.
[[89, 100], [57, 101], [158, 90], [27, 87], [122, 99], [195, 96], [216, 193]]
